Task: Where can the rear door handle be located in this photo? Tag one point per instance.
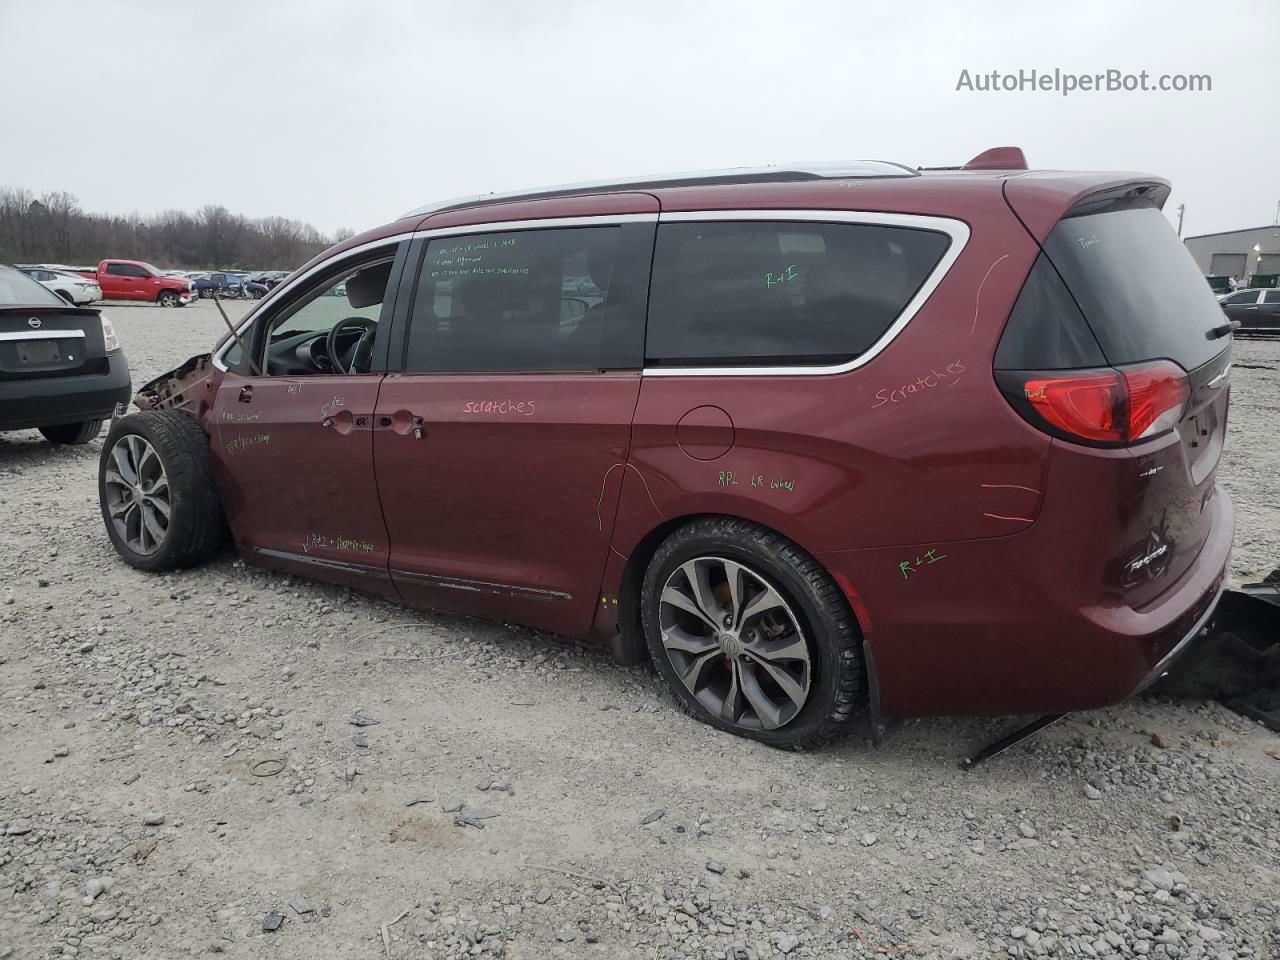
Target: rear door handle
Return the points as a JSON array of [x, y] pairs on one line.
[[404, 423], [246, 394]]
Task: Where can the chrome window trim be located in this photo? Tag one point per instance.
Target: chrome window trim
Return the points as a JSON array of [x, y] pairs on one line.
[[957, 230], [500, 226], [42, 335]]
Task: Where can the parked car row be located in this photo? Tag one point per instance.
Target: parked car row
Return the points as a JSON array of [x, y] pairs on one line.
[[235, 284], [138, 280]]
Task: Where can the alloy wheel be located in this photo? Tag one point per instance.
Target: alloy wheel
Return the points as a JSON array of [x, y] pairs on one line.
[[735, 643], [137, 494]]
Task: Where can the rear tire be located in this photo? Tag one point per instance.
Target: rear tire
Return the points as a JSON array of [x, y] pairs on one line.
[[72, 433], [792, 672], [156, 472]]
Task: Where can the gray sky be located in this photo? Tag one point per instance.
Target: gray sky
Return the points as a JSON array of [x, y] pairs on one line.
[[348, 114]]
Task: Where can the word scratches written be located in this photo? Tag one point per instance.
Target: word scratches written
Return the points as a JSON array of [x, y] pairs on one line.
[[526, 408], [934, 378], [335, 543], [333, 405], [908, 567], [771, 279], [294, 389], [239, 417], [249, 440]]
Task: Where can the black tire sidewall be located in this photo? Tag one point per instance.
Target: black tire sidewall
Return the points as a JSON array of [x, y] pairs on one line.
[[72, 434], [175, 551], [800, 595]]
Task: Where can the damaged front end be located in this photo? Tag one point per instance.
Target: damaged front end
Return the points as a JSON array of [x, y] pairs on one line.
[[187, 387]]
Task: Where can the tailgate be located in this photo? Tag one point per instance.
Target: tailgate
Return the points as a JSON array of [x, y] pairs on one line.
[[50, 342], [1145, 302]]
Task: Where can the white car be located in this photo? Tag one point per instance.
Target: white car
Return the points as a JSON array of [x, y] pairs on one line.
[[71, 287]]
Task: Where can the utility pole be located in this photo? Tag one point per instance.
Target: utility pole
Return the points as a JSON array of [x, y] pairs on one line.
[[1277, 220], [1182, 209]]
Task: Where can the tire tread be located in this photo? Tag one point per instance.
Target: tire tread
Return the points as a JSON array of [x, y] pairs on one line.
[[199, 529], [838, 618]]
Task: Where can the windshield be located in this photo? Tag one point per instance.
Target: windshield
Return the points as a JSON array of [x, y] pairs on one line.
[[19, 290], [1137, 286]]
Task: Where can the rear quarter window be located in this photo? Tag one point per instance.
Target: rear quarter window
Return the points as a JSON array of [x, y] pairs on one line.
[[756, 293]]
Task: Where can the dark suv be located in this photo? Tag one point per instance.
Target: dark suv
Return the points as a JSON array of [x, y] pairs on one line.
[[943, 441], [61, 367]]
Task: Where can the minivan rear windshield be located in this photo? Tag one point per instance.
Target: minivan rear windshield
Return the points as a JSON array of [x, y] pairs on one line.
[[1137, 286]]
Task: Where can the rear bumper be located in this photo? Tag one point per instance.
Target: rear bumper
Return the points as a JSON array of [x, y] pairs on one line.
[[1002, 632], [48, 401]]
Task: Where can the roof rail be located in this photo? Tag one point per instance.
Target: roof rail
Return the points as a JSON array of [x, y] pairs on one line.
[[783, 173]]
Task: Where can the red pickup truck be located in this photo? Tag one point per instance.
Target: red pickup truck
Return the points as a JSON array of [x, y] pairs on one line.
[[135, 280]]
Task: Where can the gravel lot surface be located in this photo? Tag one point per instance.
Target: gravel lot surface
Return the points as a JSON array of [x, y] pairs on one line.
[[185, 755]]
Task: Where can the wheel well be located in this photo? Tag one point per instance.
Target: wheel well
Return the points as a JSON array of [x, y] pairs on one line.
[[630, 646]]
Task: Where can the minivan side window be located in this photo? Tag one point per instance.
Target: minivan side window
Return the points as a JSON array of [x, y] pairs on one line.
[[759, 293], [1271, 296], [525, 300]]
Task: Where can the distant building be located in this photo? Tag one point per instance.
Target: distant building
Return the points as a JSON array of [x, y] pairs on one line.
[[1237, 253]]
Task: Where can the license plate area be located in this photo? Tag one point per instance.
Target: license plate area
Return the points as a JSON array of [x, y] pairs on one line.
[[39, 352]]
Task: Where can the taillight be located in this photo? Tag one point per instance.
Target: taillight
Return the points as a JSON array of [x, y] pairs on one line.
[[1158, 395], [1107, 407], [110, 341]]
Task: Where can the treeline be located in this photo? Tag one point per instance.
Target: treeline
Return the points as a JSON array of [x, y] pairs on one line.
[[52, 228]]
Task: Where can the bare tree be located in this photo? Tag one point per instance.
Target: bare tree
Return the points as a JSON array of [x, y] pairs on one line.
[[54, 228]]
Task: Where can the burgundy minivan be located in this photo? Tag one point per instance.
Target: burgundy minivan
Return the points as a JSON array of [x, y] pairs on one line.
[[811, 438]]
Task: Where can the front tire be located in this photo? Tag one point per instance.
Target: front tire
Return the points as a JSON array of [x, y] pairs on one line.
[[157, 493], [752, 634], [72, 433], [167, 298]]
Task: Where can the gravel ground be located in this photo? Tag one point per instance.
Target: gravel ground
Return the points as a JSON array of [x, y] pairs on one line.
[[186, 754]]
